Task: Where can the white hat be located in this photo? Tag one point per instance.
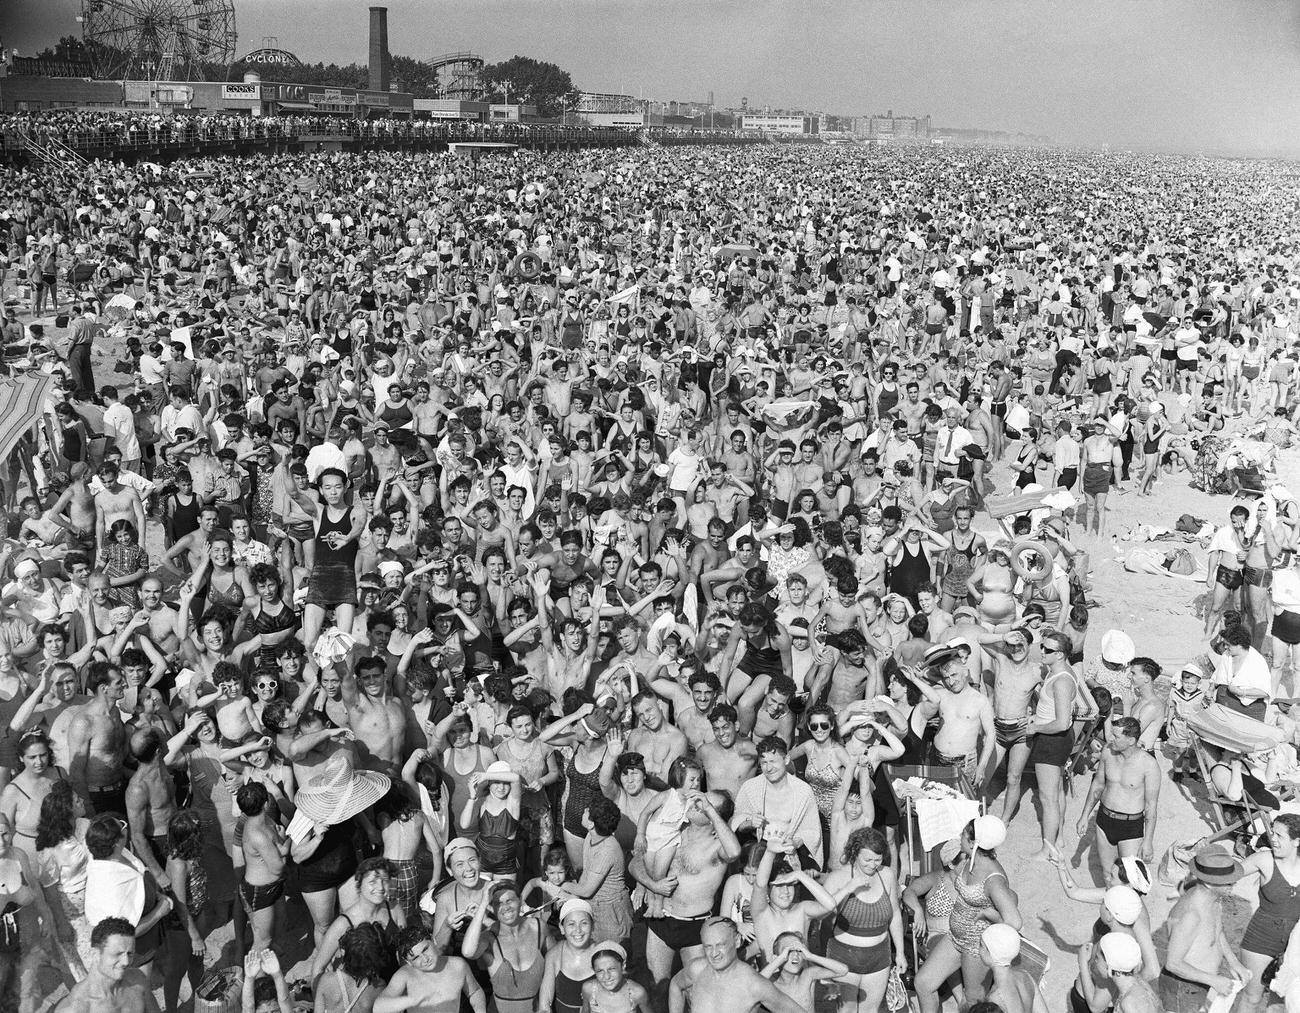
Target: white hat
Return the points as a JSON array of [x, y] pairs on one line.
[[390, 566], [339, 792], [1123, 903], [1117, 647], [1121, 952], [1002, 943], [989, 832], [574, 905]]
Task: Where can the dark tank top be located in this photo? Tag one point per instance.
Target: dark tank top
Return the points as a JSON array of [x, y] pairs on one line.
[[326, 556]]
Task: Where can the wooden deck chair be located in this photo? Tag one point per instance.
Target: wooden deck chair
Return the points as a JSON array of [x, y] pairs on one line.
[[1230, 814], [1035, 962], [1249, 481]]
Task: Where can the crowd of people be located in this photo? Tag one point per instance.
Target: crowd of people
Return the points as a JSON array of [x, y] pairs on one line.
[[527, 585]]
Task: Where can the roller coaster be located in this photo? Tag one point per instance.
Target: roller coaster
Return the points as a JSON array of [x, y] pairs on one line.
[[459, 75]]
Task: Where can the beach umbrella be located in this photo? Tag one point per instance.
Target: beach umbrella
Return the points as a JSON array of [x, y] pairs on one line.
[[79, 273], [23, 395], [1154, 319]]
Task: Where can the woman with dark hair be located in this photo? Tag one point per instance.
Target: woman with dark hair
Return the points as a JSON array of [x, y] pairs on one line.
[[1277, 864], [767, 649], [603, 882], [189, 894], [62, 858], [125, 563], [22, 797], [269, 618], [867, 934], [825, 757], [371, 904], [403, 826], [358, 975]]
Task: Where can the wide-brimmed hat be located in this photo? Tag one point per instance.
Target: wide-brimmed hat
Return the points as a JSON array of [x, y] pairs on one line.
[[1117, 647], [339, 792], [1215, 867]]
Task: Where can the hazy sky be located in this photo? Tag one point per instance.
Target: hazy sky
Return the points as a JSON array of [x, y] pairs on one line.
[[1213, 75]]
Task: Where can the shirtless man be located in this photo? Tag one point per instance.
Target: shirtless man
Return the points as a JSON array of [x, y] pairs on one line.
[[376, 716], [1098, 458], [1015, 677], [192, 549], [111, 984], [52, 705], [97, 742], [690, 889], [730, 759], [1013, 990], [116, 502], [150, 803], [162, 616], [265, 848], [75, 511], [428, 979], [1003, 382], [1148, 707], [764, 708], [850, 672], [654, 738], [691, 709], [719, 982], [980, 426], [1127, 786], [966, 735]]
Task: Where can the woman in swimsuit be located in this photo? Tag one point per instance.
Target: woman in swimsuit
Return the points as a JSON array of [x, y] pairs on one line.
[[21, 799], [225, 584], [1027, 460], [569, 964], [369, 905], [1269, 930], [826, 757], [609, 990], [868, 919], [358, 974], [990, 585], [982, 890], [514, 953]]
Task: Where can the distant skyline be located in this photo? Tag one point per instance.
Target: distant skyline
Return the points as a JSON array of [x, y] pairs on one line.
[[1190, 75]]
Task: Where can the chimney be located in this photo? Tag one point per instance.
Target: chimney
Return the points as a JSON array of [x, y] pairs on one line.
[[379, 61]]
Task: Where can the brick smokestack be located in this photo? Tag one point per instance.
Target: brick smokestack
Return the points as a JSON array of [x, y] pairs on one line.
[[379, 59]]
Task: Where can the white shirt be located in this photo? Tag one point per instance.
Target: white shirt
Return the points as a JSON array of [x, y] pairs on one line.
[[118, 419], [948, 444], [1251, 673], [322, 456], [187, 417]]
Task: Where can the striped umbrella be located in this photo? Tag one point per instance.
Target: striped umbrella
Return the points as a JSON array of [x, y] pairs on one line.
[[23, 396]]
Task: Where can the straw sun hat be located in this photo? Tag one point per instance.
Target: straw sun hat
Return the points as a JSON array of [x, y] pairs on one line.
[[339, 792]]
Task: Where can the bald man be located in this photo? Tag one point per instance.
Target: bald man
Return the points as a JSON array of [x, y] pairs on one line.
[[150, 802]]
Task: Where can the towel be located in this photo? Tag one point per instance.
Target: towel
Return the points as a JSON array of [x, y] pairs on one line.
[[331, 646], [114, 890]]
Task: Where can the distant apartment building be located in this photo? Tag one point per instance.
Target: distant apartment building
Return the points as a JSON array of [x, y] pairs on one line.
[[606, 102], [780, 123], [893, 128]]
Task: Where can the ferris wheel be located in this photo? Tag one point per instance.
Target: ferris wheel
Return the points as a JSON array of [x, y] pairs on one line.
[[162, 39]]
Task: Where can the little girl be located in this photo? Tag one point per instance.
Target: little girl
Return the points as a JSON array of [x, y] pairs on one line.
[[549, 890], [493, 811], [125, 564], [659, 829]]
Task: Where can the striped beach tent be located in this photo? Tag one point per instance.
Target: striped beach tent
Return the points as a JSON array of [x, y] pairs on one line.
[[22, 398]]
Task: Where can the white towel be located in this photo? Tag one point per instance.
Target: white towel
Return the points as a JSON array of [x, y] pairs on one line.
[[114, 890]]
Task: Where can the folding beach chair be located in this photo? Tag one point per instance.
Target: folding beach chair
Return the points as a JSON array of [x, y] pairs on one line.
[[1249, 481], [1230, 814], [1082, 759]]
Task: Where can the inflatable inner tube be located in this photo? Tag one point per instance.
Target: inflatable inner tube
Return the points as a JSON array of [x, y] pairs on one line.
[[527, 266], [1033, 574]]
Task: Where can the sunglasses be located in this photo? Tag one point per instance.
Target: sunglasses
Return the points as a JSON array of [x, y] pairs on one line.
[[819, 726]]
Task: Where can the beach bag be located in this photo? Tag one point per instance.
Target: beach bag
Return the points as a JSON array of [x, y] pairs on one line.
[[895, 992], [219, 992], [1177, 860], [1180, 561], [1188, 524]]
